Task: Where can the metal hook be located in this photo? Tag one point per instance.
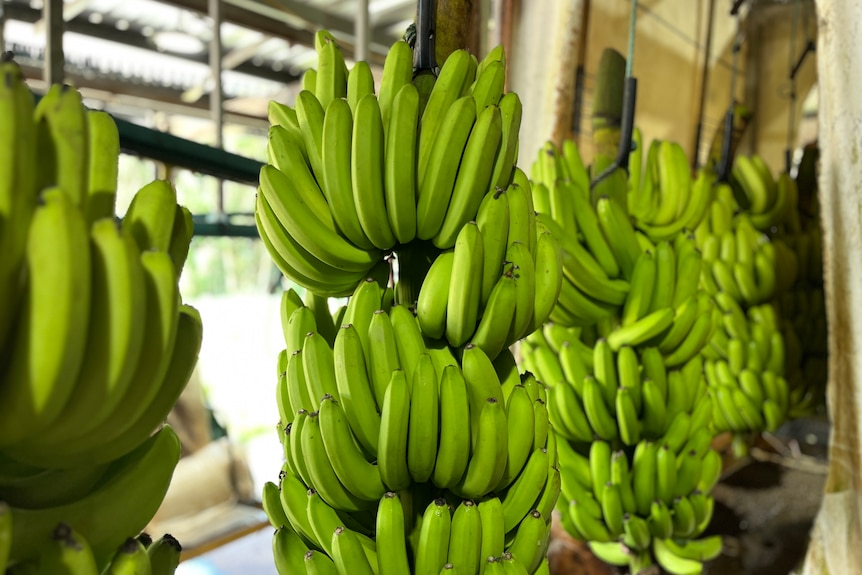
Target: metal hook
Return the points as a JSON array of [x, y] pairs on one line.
[[723, 169], [627, 121], [424, 57]]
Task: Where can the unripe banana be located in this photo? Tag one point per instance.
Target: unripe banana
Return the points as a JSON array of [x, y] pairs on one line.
[[488, 461], [397, 71], [424, 419], [465, 538], [473, 177], [400, 183], [355, 390], [433, 546], [391, 536], [394, 423]]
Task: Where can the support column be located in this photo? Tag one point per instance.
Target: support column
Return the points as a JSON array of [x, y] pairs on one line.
[[53, 66], [834, 546], [214, 8], [542, 70]]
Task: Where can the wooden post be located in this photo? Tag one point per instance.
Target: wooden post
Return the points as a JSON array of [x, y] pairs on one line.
[[542, 42], [457, 27], [53, 66], [834, 546]]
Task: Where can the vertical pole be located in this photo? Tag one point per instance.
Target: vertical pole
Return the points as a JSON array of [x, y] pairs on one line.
[[216, 97], [2, 28], [580, 75], [484, 17], [834, 540], [52, 67], [704, 78], [361, 29]]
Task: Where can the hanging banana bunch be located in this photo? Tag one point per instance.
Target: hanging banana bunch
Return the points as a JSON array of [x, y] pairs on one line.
[[412, 443], [621, 356], [96, 342]]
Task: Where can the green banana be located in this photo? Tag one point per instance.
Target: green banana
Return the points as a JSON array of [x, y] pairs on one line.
[[642, 330], [493, 222], [130, 559], [367, 172], [331, 80], [288, 551], [164, 554], [310, 113], [437, 180], [62, 135], [324, 479], [115, 341], [391, 536], [49, 346], [103, 155], [394, 424], [488, 460], [18, 189], [473, 176], [454, 444], [423, 420], [355, 390], [383, 354], [348, 553], [397, 72], [358, 476], [673, 563], [495, 323], [465, 538], [336, 180], [530, 542], [433, 546], [400, 185], [360, 81], [455, 74]]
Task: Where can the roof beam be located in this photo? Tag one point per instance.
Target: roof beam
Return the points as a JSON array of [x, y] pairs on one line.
[[318, 18], [252, 19], [81, 25], [156, 98]]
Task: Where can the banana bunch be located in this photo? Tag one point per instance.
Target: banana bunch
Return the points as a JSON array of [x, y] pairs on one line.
[[96, 342], [649, 506], [740, 259], [744, 365], [628, 398], [803, 307], [393, 446], [625, 395], [805, 334], [66, 550], [599, 244], [355, 174], [500, 280], [662, 196], [771, 202]]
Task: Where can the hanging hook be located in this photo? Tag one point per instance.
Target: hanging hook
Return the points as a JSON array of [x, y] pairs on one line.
[[723, 169], [424, 57], [627, 121], [791, 109]]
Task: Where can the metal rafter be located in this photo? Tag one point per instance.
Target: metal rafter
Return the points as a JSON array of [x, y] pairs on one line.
[[129, 37]]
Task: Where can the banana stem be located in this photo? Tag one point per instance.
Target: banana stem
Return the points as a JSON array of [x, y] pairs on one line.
[[413, 264], [454, 27]]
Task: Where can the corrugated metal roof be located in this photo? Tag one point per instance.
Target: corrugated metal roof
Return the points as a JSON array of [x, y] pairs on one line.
[[165, 44]]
